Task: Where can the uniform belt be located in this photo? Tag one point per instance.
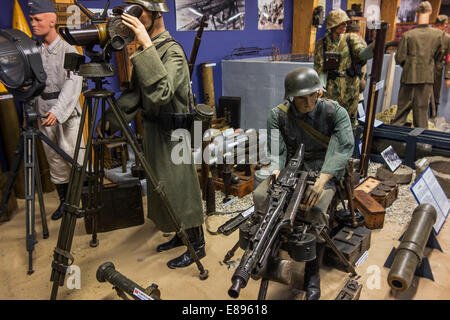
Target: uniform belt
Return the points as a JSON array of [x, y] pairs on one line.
[[171, 121], [50, 95]]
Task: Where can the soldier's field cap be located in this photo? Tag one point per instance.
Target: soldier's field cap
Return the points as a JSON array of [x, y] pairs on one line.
[[441, 19], [424, 7], [40, 6]]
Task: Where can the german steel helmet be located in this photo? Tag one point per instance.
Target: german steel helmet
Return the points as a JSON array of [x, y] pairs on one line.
[[151, 5], [335, 18], [301, 82]]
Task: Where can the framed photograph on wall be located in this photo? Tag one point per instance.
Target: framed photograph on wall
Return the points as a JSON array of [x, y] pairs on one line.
[[372, 12], [407, 11], [270, 14], [223, 14]]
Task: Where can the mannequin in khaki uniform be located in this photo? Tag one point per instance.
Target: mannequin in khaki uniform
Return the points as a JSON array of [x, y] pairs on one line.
[[418, 53], [59, 101], [441, 24]]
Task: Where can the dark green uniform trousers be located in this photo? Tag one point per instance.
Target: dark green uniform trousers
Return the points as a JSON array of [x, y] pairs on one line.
[[416, 97], [437, 90]]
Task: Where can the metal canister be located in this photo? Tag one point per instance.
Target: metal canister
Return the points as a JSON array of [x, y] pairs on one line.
[[302, 247], [205, 114]]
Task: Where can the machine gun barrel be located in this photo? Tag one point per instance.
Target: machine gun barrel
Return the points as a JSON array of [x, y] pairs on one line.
[[256, 253]]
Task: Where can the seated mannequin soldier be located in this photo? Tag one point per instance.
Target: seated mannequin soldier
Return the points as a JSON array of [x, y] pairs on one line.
[[324, 127]]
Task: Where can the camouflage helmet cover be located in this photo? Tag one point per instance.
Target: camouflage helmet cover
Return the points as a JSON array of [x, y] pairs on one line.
[[335, 18], [151, 5], [301, 82]]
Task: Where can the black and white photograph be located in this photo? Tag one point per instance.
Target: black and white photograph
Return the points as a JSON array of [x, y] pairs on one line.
[[270, 14], [392, 159], [407, 11], [221, 14]]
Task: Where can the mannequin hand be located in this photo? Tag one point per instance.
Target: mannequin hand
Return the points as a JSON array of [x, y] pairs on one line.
[[139, 30], [314, 192], [50, 121], [447, 83]]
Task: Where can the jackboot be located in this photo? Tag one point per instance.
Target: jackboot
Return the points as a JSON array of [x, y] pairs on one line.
[[172, 243], [62, 190], [197, 239], [312, 275]]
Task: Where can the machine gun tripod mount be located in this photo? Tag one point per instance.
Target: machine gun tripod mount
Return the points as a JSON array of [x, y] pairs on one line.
[[96, 71]]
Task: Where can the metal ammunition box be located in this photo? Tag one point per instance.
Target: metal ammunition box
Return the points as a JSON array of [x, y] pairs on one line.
[[122, 208], [352, 243]]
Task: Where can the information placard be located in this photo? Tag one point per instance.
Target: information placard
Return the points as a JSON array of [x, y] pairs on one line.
[[428, 190]]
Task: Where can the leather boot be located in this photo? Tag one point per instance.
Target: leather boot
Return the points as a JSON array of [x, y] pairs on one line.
[[62, 190], [197, 239], [312, 275], [172, 243]]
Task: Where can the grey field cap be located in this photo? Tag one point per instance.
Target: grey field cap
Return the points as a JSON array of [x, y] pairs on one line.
[[424, 7], [301, 82]]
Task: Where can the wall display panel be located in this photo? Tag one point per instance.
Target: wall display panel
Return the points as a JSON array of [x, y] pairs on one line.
[[223, 14], [270, 14]]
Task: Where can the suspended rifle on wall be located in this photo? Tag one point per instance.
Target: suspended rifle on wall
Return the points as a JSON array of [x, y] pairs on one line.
[[197, 41]]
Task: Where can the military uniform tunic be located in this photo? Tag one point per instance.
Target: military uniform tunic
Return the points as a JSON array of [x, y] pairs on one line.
[[330, 119], [161, 84], [344, 89], [437, 86], [65, 107], [418, 53]]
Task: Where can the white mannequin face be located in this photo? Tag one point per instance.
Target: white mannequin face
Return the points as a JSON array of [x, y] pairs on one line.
[[43, 23]]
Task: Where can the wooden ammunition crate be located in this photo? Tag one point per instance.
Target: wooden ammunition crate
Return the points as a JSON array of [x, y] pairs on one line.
[[373, 212], [12, 202], [351, 242], [369, 186]]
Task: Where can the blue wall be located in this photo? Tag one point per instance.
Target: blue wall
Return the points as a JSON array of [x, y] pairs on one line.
[[215, 44]]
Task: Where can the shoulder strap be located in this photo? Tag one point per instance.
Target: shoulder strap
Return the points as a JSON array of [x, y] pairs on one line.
[[350, 49], [315, 134], [159, 45], [283, 108]]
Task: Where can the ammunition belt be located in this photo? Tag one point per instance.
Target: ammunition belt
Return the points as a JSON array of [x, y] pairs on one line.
[[171, 121], [50, 95]]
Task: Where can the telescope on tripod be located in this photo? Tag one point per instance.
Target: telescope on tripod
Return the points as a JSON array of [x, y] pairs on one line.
[[111, 35]]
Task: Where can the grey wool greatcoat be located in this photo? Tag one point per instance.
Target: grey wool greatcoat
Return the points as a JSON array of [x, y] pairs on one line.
[[160, 84]]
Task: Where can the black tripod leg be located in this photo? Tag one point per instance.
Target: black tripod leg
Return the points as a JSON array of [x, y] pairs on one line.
[[95, 198], [131, 138], [41, 201], [263, 289], [30, 157], [12, 175], [61, 256]]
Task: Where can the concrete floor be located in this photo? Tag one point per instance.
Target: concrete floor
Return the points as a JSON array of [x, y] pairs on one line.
[[133, 252]]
